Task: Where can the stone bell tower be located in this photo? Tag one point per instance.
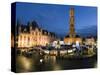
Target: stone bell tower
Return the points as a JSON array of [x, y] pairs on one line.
[[71, 23], [72, 37]]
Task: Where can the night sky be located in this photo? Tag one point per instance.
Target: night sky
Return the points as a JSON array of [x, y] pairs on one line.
[[55, 18]]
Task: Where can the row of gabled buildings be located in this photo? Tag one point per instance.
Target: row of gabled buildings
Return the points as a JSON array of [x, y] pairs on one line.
[[31, 35]]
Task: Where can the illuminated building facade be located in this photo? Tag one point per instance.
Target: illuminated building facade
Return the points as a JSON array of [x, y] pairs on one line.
[[72, 37], [32, 35], [90, 41]]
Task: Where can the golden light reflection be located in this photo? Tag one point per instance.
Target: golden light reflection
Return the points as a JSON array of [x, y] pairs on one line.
[[25, 63], [52, 59], [57, 67]]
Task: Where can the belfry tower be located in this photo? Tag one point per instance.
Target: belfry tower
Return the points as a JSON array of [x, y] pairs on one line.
[[72, 37], [71, 21]]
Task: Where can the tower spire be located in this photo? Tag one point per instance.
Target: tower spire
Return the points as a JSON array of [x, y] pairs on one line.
[[72, 28]]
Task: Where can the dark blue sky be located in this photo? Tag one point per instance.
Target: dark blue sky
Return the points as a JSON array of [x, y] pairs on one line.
[[55, 18]]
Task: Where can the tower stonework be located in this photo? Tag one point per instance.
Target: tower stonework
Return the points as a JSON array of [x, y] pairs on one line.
[[72, 37], [72, 28]]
